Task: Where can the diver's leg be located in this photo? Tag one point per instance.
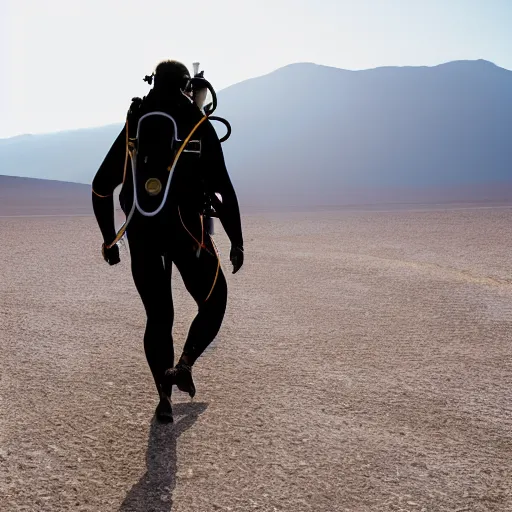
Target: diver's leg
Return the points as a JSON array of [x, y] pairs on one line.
[[205, 281], [210, 315], [152, 277]]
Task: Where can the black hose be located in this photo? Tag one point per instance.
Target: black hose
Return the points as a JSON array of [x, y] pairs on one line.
[[225, 123], [199, 82]]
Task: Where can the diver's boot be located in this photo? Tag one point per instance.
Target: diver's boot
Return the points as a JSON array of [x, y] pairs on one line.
[[181, 376], [163, 411]]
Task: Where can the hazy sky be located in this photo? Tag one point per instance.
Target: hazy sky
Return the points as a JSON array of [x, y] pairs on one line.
[[77, 63]]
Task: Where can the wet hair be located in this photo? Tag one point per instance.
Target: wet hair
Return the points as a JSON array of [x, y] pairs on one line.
[[171, 74]]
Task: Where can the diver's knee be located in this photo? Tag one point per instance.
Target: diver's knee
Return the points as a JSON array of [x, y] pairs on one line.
[[160, 317]]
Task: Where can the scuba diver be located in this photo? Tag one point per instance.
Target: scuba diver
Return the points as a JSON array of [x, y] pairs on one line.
[[170, 163]]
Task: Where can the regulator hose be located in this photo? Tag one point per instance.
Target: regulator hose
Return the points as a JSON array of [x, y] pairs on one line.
[[225, 122]]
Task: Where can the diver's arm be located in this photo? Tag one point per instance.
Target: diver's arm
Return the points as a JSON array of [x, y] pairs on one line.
[[103, 208], [107, 178], [230, 212], [219, 182]]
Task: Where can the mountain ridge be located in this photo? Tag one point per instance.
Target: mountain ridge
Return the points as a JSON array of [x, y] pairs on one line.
[[309, 132]]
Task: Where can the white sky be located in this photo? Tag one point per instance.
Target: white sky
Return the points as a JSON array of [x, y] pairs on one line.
[[73, 63]]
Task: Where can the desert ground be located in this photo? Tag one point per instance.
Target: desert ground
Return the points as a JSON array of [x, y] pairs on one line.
[[364, 364]]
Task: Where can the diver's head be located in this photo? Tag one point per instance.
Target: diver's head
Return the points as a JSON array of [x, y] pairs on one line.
[[171, 76]]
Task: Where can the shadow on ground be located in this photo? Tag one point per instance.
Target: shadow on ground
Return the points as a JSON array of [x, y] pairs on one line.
[[153, 493]]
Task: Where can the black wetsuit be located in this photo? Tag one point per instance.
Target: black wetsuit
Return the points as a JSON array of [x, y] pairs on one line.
[[174, 235]]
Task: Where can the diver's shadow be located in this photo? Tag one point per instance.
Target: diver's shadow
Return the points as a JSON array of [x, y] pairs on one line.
[[153, 493]]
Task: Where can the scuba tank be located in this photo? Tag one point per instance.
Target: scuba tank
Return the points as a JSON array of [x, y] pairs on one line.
[[198, 85]]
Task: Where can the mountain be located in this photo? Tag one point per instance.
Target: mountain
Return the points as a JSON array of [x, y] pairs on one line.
[[311, 134]]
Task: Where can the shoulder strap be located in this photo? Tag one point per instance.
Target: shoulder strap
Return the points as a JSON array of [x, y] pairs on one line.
[[132, 116]]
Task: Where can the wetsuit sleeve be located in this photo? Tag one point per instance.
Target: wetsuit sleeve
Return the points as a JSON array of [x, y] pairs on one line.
[[218, 181], [107, 178]]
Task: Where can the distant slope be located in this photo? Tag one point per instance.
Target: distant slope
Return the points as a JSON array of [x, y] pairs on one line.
[[28, 196], [66, 156], [309, 134]]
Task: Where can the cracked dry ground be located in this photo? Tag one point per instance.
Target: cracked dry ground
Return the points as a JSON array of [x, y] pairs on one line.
[[364, 365]]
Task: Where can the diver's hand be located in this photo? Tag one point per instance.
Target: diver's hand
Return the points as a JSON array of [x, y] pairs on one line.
[[237, 257], [111, 256]]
